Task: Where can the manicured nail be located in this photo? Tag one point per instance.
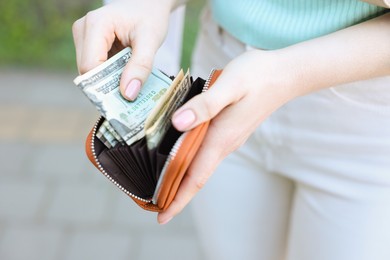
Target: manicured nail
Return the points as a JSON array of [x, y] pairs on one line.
[[184, 119], [133, 89], [163, 222]]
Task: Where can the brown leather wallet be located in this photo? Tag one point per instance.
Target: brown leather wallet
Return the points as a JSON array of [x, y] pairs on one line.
[[151, 177]]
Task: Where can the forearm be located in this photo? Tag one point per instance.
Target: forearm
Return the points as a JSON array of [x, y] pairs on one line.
[[356, 53], [258, 82]]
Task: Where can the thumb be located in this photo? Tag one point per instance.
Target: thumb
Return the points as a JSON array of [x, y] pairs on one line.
[[207, 105], [139, 66]]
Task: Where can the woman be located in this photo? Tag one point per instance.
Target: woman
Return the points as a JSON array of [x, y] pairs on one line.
[[305, 96]]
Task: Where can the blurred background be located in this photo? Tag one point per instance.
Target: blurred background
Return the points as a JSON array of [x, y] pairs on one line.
[[53, 203]]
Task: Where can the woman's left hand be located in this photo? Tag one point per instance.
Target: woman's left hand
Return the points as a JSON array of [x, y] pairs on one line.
[[257, 83], [248, 90]]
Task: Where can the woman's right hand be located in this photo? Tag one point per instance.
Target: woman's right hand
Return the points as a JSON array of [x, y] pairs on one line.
[[141, 25]]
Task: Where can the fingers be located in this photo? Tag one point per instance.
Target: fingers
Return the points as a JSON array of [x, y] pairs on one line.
[[95, 36], [144, 48], [225, 91], [77, 30], [193, 181], [92, 29], [227, 132]]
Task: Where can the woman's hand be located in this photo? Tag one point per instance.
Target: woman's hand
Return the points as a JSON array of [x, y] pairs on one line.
[[249, 89], [142, 25], [257, 83]]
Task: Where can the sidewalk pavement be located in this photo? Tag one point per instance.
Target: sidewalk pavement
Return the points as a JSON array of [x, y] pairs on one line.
[[53, 203]]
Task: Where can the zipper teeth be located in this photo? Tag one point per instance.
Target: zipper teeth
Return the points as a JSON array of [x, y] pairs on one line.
[[178, 143], [176, 146], [175, 149], [172, 153], [100, 167], [171, 156], [208, 81]]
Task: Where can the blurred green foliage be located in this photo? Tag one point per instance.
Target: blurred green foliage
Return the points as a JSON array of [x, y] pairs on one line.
[[38, 33], [190, 30]]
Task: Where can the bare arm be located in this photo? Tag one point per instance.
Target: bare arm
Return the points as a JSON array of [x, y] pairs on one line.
[[356, 53], [258, 82]]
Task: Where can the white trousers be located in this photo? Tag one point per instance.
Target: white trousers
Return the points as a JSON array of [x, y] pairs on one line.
[[311, 183]]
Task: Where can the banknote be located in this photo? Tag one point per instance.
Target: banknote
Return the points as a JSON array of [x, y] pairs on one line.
[[101, 86], [112, 131], [106, 137], [159, 120]]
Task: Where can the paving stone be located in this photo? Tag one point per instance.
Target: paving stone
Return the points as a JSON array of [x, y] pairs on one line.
[[45, 124], [41, 88], [30, 242], [92, 175], [51, 195], [168, 245], [100, 245], [13, 159], [127, 213], [57, 125], [79, 204], [13, 121], [58, 161], [20, 199]]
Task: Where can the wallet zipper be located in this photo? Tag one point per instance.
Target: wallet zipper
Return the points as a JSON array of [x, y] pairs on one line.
[[177, 145], [171, 156], [102, 170], [208, 81]]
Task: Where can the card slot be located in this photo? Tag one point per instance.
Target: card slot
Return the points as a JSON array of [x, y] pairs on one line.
[[115, 171], [129, 163], [138, 174], [129, 168], [141, 155], [144, 175], [134, 153], [125, 165], [136, 168]]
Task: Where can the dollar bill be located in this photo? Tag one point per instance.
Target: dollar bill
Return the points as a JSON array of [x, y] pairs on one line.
[[159, 121], [101, 86], [106, 137], [112, 131]]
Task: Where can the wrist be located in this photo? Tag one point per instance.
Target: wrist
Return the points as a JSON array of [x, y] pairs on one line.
[[281, 75]]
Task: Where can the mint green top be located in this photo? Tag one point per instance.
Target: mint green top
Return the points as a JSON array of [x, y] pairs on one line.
[[273, 24]]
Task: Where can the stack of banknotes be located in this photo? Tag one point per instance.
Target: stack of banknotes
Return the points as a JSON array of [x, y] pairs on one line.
[[148, 116]]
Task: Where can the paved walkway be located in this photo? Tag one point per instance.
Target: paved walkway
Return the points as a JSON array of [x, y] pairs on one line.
[[53, 203]]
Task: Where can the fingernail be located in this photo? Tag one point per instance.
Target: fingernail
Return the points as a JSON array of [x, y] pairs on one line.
[[163, 222], [133, 89], [184, 119]]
